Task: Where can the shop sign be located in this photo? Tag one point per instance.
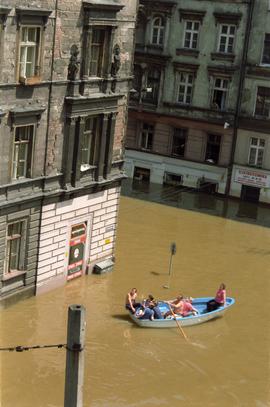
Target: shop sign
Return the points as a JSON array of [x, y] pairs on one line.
[[250, 177], [76, 250]]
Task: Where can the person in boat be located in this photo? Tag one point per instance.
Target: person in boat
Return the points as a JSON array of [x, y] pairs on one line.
[[131, 303], [219, 300], [175, 306], [151, 303], [145, 313], [182, 307]]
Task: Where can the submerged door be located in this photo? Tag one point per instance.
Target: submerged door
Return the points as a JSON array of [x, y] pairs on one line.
[[77, 243]]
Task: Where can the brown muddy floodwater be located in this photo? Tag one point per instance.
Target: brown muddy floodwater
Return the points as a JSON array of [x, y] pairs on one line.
[[226, 363]]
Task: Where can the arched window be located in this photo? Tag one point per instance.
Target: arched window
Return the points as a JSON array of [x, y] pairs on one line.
[[158, 27]]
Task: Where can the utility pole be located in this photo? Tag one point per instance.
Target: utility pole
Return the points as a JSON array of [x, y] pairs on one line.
[[75, 356]]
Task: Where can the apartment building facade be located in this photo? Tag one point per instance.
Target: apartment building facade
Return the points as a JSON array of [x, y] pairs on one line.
[[189, 74], [65, 73], [251, 170]]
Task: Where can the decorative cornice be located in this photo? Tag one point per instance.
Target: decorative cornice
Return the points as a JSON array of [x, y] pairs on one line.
[[182, 66], [228, 18], [227, 71], [157, 6], [24, 13], [112, 5], [185, 14], [17, 114], [143, 57], [221, 56]]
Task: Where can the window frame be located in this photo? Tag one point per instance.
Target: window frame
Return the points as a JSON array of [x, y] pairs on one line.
[[209, 160], [257, 148], [21, 251], [29, 158], [186, 85], [101, 62], [256, 114], [216, 89], [263, 50], [153, 83], [150, 131], [93, 136], [192, 32], [160, 28], [183, 135], [36, 46], [227, 37]]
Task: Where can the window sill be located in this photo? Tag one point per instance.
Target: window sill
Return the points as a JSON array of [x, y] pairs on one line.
[[13, 274], [188, 52], [222, 56], [34, 80]]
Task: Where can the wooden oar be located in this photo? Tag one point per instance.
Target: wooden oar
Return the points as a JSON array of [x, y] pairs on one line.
[[179, 326]]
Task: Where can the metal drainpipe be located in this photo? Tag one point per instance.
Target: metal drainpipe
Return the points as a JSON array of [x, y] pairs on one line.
[[240, 92], [47, 131]]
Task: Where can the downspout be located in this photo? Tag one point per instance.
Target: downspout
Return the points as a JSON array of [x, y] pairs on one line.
[[47, 134], [243, 65]]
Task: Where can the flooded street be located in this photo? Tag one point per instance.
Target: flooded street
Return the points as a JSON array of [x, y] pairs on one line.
[[227, 360]]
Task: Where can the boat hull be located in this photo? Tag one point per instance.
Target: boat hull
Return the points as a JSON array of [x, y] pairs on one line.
[[198, 303]]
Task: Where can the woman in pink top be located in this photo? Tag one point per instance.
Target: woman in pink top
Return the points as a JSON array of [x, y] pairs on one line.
[[219, 300]]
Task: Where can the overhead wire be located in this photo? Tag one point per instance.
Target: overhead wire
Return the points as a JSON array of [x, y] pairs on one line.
[[20, 348]]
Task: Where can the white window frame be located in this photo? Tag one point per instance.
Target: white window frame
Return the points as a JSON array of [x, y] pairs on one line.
[[227, 37], [20, 245], [257, 146], [265, 63], [221, 88], [28, 151], [146, 133], [90, 148], [268, 102], [160, 29], [187, 85], [193, 32], [24, 50]]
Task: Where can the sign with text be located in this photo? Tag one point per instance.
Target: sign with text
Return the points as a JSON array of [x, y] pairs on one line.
[[254, 178], [76, 250]]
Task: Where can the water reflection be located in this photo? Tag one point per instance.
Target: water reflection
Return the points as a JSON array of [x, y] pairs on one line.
[[187, 198]]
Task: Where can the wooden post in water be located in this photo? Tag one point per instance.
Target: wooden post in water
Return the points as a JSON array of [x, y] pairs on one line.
[[75, 356]]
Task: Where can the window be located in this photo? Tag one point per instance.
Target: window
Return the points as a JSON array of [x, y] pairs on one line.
[[262, 108], [220, 93], [256, 151], [97, 52], [15, 242], [212, 148], [158, 31], [29, 52], [191, 34], [185, 87], [147, 135], [226, 38], [22, 152], [152, 86], [266, 50], [179, 142], [88, 143], [172, 179]]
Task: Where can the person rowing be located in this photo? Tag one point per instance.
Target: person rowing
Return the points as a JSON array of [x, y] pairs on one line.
[[181, 306]]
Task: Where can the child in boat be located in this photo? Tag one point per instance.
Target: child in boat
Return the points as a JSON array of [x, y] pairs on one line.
[[145, 313], [151, 303], [131, 303], [219, 300]]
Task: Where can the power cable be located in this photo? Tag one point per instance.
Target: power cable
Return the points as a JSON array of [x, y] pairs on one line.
[[20, 348]]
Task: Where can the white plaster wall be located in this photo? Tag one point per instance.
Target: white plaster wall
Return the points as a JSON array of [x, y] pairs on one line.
[[191, 172], [100, 210]]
